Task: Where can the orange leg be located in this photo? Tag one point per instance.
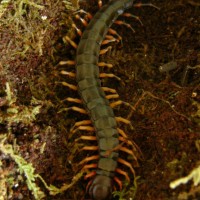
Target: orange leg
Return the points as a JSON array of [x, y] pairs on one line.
[[72, 43], [75, 100], [99, 3], [87, 159], [83, 21], [133, 16], [68, 62], [107, 89], [86, 137], [83, 128], [119, 22], [79, 32], [90, 148], [123, 173], [118, 182], [119, 102], [104, 75], [107, 41], [103, 51], [113, 32], [138, 5], [112, 96], [73, 87], [122, 133], [110, 37], [81, 123], [126, 121], [124, 149], [70, 74], [125, 140], [90, 182], [75, 108], [124, 162], [103, 64], [93, 165]]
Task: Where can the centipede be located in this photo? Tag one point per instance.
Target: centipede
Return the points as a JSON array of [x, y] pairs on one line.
[[102, 125]]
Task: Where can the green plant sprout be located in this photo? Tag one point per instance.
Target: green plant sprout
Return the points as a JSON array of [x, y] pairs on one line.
[[131, 192], [193, 175]]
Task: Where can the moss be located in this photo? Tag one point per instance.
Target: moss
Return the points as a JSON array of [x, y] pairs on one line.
[[24, 168]]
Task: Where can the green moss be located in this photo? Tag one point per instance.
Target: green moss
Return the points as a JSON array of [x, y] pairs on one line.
[[17, 114], [24, 168], [127, 193]]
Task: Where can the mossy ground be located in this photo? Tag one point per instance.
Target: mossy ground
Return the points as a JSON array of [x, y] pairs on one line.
[[35, 126]]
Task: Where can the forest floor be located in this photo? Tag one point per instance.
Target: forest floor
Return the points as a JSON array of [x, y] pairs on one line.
[[159, 68]]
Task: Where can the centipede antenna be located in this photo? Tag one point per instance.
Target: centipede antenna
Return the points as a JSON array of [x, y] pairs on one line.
[[137, 5]]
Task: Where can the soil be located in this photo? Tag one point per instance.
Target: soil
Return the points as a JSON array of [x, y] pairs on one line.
[[159, 67]]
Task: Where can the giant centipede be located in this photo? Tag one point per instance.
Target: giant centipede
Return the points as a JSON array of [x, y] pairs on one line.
[[103, 122]]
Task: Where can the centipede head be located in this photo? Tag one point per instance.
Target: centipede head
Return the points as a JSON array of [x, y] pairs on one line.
[[101, 188]]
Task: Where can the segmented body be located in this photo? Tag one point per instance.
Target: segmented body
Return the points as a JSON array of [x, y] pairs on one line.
[[93, 97]]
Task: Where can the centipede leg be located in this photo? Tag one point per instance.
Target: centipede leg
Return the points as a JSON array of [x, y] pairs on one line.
[[71, 86], [86, 137], [119, 22], [122, 133], [113, 32], [66, 73], [83, 128], [87, 159], [124, 162], [120, 102], [126, 121], [79, 32], [90, 148], [123, 173], [138, 5], [81, 123], [133, 16], [118, 182], [83, 21], [74, 100], [107, 41], [103, 51], [107, 89], [105, 75], [112, 96], [68, 62], [77, 109], [72, 43], [130, 143], [124, 149], [103, 64], [100, 3]]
